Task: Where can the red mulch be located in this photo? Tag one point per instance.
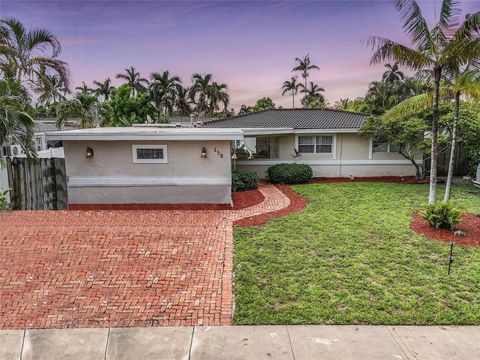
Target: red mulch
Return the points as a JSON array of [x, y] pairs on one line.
[[470, 225], [297, 203], [244, 199], [389, 179]]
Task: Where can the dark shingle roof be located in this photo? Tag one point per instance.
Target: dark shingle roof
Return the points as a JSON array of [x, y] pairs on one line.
[[293, 118]]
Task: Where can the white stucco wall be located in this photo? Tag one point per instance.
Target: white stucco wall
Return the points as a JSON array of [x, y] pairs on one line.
[[351, 157], [111, 176]]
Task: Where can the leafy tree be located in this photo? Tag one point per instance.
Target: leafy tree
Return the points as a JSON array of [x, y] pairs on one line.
[[86, 107], [134, 80], [244, 109], [432, 49], [264, 103], [291, 86], [313, 96], [304, 65], [126, 109], [15, 124], [24, 53], [393, 73], [104, 88], [163, 92]]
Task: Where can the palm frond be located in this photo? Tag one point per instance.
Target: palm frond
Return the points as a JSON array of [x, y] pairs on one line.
[[415, 24]]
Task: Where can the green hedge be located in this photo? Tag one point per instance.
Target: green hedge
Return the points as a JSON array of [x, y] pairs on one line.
[[244, 180], [290, 173]]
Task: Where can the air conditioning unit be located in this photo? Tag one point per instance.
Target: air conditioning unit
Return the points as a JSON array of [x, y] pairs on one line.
[[16, 150]]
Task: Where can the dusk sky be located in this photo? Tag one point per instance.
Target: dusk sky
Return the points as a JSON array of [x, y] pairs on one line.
[[250, 45]]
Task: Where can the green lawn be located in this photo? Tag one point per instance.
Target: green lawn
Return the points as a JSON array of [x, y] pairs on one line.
[[350, 258]]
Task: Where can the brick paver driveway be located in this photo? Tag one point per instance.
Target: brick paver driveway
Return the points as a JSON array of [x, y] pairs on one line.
[[114, 268]]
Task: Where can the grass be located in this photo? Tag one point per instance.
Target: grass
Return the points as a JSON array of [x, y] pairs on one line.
[[350, 258]]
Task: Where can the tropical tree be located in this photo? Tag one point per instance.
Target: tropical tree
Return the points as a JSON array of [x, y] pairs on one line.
[[134, 80], [104, 88], [182, 101], [343, 104], [304, 65], [291, 86], [50, 89], [199, 92], [16, 125], [393, 73], [264, 103], [126, 109], [84, 89], [163, 91], [85, 106], [23, 53], [431, 49], [313, 98], [218, 93], [244, 109]]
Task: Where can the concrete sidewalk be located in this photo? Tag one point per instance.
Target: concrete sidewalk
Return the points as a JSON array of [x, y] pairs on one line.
[[245, 342]]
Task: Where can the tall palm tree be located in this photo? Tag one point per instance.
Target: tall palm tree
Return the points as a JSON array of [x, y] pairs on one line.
[[431, 49], [134, 79], [16, 125], [313, 90], [382, 95], [24, 52], [291, 86], [217, 93], [84, 89], [86, 107], [50, 89], [104, 88], [304, 65], [182, 101], [393, 73], [163, 91], [199, 91]]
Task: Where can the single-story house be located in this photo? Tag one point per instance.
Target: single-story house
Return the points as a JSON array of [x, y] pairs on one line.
[[328, 140], [147, 165]]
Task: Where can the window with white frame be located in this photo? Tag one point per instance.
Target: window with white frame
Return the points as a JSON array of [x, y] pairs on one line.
[[150, 154], [315, 144]]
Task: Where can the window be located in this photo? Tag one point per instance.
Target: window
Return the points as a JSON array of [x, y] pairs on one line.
[[394, 148], [316, 144], [150, 154], [266, 148], [38, 143], [384, 147]]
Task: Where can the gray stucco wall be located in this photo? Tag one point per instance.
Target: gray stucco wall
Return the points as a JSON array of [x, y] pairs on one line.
[[351, 157], [111, 177]]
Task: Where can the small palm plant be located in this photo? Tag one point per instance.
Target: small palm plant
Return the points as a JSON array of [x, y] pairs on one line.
[[442, 215]]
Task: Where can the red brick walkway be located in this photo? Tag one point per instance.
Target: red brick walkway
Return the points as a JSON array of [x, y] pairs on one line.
[[119, 268]]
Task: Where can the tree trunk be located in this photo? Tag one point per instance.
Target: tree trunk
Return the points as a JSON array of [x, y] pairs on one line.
[[451, 163], [432, 197], [293, 100]]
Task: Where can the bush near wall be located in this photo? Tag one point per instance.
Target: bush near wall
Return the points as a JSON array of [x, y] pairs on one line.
[[244, 180], [290, 173]]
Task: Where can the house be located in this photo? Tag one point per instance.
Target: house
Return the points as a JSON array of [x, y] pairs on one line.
[[147, 165], [328, 140]]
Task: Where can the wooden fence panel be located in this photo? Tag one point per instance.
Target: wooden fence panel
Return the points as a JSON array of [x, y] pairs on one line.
[[37, 184]]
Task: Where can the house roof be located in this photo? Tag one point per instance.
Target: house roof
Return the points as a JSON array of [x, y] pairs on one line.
[[325, 119], [145, 133]]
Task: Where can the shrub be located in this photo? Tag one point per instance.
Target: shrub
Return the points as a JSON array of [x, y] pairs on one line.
[[290, 173], [3, 200], [244, 180], [442, 215]]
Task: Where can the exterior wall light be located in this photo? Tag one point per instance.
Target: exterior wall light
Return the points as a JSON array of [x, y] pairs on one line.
[[89, 153], [203, 155]]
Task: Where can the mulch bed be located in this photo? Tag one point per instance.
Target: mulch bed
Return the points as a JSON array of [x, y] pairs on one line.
[[388, 179], [297, 203], [244, 199], [470, 225]]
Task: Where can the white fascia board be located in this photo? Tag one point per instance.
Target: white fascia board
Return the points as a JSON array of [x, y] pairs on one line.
[[146, 181], [324, 131], [143, 137], [266, 131], [327, 162]]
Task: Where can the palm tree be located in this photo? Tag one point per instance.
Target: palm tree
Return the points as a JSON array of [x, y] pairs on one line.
[[22, 52], [104, 89], [343, 104], [50, 89], [393, 73], [244, 109], [381, 95], [431, 49], [217, 93], [84, 106], [200, 90], [182, 101], [84, 89], [134, 79], [304, 66], [16, 125], [291, 86], [163, 90]]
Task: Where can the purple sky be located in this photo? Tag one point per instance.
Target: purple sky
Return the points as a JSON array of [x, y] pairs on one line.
[[250, 45]]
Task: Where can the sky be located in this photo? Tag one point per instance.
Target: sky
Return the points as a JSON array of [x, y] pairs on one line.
[[249, 45]]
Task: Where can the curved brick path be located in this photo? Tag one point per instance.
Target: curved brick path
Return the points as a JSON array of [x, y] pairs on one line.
[[124, 268]]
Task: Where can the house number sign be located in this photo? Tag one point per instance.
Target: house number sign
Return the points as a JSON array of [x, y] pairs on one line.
[[218, 152]]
